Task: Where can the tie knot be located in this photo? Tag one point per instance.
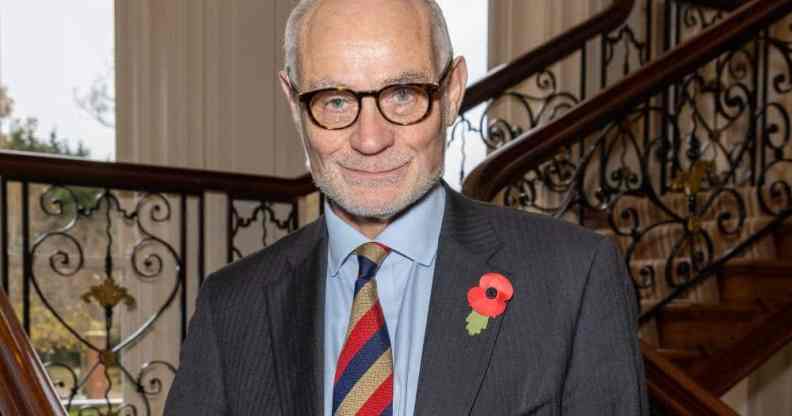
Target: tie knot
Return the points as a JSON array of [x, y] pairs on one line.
[[375, 252]]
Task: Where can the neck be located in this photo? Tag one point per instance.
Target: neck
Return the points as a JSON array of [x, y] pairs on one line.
[[368, 226]]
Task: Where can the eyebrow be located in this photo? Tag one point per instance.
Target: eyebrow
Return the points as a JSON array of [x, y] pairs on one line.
[[406, 77], [402, 78]]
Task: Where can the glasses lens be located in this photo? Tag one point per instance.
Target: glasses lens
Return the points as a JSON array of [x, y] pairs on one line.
[[404, 104], [334, 109]]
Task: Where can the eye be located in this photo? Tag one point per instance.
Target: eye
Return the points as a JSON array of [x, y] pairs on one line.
[[335, 103], [402, 95]]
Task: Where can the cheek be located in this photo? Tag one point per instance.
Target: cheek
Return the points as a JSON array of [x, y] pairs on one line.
[[428, 144], [322, 144]]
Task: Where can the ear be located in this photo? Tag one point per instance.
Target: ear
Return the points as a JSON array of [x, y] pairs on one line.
[[286, 87], [456, 88]]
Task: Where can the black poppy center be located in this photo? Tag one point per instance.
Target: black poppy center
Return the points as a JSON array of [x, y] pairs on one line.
[[491, 293]]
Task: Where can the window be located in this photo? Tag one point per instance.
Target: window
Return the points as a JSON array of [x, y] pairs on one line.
[[57, 78], [56, 65]]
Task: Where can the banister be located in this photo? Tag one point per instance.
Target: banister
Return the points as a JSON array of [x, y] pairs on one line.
[[728, 5], [538, 59], [25, 388], [506, 76], [675, 391], [130, 176], [510, 162]]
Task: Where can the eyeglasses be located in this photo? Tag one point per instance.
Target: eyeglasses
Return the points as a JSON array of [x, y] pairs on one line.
[[400, 104]]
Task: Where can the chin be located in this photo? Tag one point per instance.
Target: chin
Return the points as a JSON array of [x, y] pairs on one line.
[[376, 204], [381, 201]]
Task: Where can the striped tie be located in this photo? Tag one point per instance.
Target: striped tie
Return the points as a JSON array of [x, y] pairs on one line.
[[364, 372]]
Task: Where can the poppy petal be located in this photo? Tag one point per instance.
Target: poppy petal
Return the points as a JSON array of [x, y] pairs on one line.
[[488, 307], [498, 309], [499, 282], [474, 294]]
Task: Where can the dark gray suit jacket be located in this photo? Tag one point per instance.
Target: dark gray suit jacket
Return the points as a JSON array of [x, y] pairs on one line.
[[566, 345]]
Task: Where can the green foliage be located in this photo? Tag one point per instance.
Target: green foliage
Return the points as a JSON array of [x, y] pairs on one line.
[[23, 136]]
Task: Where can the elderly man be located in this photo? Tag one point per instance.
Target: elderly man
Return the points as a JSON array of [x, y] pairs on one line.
[[405, 297]]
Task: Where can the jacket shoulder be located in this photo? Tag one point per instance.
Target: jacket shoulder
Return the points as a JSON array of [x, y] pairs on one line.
[[516, 227], [267, 264]]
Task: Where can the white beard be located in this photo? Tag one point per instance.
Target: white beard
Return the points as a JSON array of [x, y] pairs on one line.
[[330, 185]]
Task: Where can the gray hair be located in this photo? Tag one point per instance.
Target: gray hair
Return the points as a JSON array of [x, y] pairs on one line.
[[441, 41]]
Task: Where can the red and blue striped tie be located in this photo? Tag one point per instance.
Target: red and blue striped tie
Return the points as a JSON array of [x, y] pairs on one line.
[[364, 372]]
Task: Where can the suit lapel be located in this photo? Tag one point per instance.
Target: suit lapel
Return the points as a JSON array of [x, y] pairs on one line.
[[295, 305], [454, 363]]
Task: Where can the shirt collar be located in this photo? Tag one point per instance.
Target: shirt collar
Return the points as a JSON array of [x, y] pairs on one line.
[[413, 234]]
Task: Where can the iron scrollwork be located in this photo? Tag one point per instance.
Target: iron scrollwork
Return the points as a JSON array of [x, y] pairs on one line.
[[545, 102], [67, 259], [677, 181], [270, 218]]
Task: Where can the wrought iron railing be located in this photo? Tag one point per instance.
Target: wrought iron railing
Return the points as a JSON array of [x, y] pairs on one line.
[[683, 160], [544, 83], [96, 257]]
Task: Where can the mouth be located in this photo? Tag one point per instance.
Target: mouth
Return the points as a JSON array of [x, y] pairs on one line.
[[374, 175]]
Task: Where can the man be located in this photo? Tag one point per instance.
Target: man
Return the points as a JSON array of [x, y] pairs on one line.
[[325, 322]]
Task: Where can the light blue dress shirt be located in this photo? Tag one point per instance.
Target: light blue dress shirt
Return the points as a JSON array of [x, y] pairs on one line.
[[404, 286]]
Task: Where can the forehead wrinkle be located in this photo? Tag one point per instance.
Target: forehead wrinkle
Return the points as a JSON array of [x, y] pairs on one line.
[[406, 77], [327, 15], [325, 83]]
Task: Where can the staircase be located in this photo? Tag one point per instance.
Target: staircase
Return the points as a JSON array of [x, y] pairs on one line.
[[683, 162], [720, 342]]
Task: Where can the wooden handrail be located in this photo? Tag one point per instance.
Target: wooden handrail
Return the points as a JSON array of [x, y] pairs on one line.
[[139, 177], [506, 76], [728, 5], [676, 392], [503, 77], [25, 388], [510, 162]]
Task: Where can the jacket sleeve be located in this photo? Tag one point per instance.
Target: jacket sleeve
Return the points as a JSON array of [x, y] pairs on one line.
[[197, 389], [605, 374]]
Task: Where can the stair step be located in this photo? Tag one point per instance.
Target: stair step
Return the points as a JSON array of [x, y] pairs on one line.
[[763, 282], [682, 357], [783, 239], [709, 312], [722, 371], [703, 327]]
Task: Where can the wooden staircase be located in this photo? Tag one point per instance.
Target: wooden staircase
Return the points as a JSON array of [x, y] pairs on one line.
[[713, 328], [724, 330], [719, 344]]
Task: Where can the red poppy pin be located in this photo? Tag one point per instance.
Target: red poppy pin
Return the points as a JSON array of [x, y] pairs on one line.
[[488, 300]]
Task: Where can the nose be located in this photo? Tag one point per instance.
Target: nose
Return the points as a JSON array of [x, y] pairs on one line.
[[374, 133]]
